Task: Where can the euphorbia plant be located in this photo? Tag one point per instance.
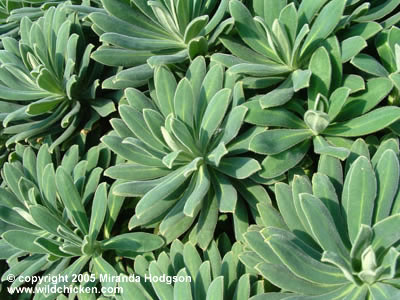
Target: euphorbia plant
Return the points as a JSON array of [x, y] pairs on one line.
[[330, 117], [204, 275], [180, 154], [388, 47], [48, 82], [280, 41], [62, 217], [325, 246], [140, 35]]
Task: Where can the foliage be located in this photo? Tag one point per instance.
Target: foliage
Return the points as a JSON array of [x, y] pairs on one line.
[[46, 206], [216, 274], [322, 246], [179, 151], [42, 79], [161, 32], [215, 139]]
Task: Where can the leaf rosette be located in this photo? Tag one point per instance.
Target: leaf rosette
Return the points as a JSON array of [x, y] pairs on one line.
[[141, 34], [182, 154], [48, 82], [335, 112], [322, 246], [62, 218], [215, 273]]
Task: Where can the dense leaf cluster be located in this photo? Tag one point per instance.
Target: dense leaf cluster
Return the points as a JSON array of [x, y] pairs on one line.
[[251, 146]]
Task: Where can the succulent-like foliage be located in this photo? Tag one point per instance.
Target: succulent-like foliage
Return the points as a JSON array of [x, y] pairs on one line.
[[333, 115], [214, 274], [207, 108], [180, 154], [388, 47], [62, 217], [48, 83], [142, 34], [279, 41], [323, 246], [12, 12]]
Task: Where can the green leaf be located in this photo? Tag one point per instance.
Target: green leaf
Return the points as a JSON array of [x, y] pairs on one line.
[[200, 190], [103, 106], [325, 191], [234, 123], [289, 18], [301, 79], [23, 240], [207, 221], [176, 222], [225, 192], [211, 84], [131, 171], [216, 289], [43, 105], [387, 175], [279, 96], [242, 53], [371, 122], [182, 289], [163, 290], [194, 28], [166, 187], [47, 221], [379, 11], [385, 234], [278, 140], [354, 82], [135, 241], [376, 90], [282, 277], [260, 70], [308, 10], [320, 81], [159, 60], [104, 268], [384, 291], [303, 265], [321, 146], [242, 290], [337, 100], [197, 46], [239, 167], [286, 206], [248, 30], [322, 225], [10, 216], [366, 30], [71, 199], [392, 144], [99, 208], [165, 85], [277, 164], [351, 47], [136, 122], [271, 117], [51, 247], [214, 115], [359, 192], [324, 25], [270, 216], [184, 102], [370, 65], [131, 152]]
